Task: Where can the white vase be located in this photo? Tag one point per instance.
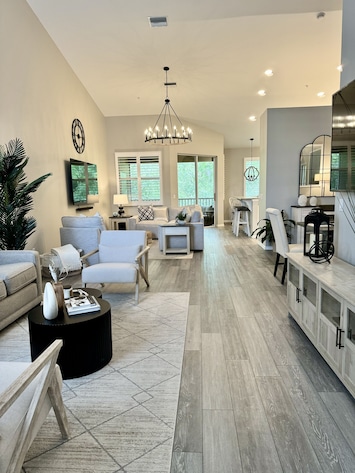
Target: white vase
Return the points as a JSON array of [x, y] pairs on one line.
[[50, 304], [180, 222]]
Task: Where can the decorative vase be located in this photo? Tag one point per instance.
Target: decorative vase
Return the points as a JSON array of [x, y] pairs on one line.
[[59, 294], [50, 304], [180, 222]]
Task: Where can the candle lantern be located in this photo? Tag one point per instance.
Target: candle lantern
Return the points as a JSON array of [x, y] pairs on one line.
[[317, 227]]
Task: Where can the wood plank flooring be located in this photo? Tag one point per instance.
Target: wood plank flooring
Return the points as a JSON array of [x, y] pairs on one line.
[[255, 395]]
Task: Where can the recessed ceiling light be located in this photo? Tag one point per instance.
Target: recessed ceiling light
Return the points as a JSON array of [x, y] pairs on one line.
[[269, 72], [262, 92], [321, 94], [252, 118]]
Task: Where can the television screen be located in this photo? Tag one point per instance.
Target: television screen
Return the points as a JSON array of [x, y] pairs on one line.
[[342, 176], [83, 179]]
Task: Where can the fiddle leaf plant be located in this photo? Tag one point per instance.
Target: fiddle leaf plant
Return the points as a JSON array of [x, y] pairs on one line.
[[16, 199]]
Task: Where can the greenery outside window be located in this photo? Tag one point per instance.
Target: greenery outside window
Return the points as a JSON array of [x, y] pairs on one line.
[[139, 176]]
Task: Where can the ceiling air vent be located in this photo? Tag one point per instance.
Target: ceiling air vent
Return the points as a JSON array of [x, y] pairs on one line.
[[157, 21]]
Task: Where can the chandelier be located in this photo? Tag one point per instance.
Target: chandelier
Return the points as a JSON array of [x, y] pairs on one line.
[[168, 129], [251, 173]]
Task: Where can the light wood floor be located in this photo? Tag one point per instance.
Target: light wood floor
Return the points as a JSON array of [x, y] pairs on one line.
[[255, 395]]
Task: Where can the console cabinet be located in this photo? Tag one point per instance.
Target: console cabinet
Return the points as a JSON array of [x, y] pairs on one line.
[[321, 299]]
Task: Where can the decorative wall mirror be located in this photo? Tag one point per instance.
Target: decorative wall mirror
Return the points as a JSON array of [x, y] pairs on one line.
[[314, 178]]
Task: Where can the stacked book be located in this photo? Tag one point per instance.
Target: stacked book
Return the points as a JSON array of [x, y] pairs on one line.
[[81, 303]]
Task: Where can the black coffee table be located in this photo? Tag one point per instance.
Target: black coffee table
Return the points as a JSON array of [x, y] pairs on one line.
[[87, 338]]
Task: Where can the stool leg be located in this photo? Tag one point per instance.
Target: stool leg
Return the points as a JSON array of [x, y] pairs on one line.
[[247, 223], [237, 223]]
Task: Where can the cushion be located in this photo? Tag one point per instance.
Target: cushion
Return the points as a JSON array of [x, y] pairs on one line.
[[118, 254], [196, 216], [145, 212], [160, 213], [3, 292], [17, 275]]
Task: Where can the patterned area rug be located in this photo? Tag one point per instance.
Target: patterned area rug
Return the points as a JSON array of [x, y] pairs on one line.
[[155, 253], [122, 417]]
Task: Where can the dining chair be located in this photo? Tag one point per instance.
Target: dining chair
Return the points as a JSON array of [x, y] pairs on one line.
[[281, 241]]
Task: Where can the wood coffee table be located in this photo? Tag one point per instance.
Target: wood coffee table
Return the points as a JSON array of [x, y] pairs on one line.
[[87, 338]]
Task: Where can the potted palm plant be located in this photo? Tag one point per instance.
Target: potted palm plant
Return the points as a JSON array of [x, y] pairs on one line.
[[16, 197]]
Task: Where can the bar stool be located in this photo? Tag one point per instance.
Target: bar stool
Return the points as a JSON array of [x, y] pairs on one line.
[[241, 217]]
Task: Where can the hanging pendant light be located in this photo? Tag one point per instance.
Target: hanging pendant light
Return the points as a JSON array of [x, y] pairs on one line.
[[251, 173], [168, 129]]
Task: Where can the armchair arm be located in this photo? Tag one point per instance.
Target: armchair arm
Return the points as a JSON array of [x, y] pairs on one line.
[[84, 258], [142, 262], [21, 256], [141, 253]]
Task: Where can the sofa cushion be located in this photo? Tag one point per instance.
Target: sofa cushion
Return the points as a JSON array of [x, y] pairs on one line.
[[196, 216], [118, 254], [145, 212], [17, 275], [161, 213], [3, 292]]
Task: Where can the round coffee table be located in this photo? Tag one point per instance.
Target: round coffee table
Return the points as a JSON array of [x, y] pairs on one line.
[[87, 338]]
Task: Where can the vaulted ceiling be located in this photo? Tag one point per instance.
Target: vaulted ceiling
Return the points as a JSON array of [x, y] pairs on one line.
[[217, 52]]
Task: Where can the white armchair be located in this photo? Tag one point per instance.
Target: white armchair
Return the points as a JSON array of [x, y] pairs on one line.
[[281, 241], [123, 257], [27, 393]]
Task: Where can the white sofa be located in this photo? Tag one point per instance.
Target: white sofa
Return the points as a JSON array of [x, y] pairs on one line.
[[163, 214]]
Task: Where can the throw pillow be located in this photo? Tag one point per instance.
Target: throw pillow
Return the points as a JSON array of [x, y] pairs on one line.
[[145, 213], [196, 216], [118, 254], [160, 213]]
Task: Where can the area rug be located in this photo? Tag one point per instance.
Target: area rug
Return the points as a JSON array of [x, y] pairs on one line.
[[155, 253], [121, 418]]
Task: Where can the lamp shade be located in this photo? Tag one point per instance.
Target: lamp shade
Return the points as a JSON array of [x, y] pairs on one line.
[[120, 199]]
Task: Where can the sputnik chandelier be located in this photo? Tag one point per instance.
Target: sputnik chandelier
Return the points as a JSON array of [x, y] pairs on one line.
[[251, 173], [168, 129]]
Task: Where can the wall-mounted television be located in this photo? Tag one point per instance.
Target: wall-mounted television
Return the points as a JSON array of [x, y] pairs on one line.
[[342, 175], [83, 181]]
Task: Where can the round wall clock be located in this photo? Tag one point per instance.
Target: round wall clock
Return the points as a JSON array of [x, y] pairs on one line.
[[78, 135]]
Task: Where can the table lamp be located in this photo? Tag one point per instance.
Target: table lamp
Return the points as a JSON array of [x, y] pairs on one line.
[[120, 200]]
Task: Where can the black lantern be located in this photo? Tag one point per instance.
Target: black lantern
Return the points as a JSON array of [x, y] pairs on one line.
[[318, 246]]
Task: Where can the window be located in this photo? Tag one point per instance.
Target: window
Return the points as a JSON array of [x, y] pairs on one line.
[[252, 188], [139, 176]]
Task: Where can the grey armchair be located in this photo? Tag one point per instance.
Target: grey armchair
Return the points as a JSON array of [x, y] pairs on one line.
[[122, 258]]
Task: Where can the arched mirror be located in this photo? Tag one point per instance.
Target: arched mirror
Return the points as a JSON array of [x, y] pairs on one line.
[[314, 179]]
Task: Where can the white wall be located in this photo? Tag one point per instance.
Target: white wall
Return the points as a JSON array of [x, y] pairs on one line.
[[40, 96], [284, 132]]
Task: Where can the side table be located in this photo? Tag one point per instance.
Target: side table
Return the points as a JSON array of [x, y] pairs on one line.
[[87, 339], [119, 223], [175, 230]]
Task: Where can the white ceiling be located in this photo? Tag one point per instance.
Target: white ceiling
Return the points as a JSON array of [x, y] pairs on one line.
[[217, 52]]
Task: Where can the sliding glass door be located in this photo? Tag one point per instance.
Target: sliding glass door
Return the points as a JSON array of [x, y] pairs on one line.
[[196, 183]]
